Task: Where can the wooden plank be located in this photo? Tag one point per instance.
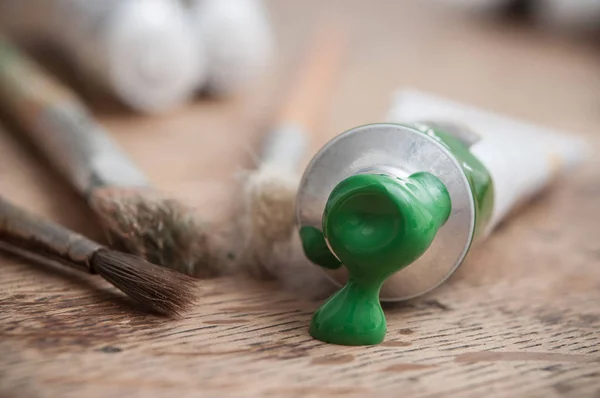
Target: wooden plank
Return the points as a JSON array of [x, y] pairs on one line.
[[520, 318]]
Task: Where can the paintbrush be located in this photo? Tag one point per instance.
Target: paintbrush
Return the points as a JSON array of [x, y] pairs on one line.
[[137, 218], [265, 216], [160, 289]]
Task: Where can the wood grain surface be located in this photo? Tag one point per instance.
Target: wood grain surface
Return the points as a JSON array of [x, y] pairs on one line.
[[521, 318]]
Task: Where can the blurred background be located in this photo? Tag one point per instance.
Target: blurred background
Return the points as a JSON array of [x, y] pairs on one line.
[[189, 88]]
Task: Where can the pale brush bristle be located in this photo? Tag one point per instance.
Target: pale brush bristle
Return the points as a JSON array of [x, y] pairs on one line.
[[163, 290], [264, 217], [269, 245], [159, 229], [296, 273]]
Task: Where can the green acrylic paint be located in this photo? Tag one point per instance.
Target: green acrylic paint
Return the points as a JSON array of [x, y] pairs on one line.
[[376, 225]]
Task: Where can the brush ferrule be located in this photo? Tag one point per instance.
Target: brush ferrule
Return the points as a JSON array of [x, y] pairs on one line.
[[26, 232], [82, 149], [285, 147], [81, 252]]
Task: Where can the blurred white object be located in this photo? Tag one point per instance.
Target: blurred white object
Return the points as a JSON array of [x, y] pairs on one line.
[[574, 15], [477, 5], [142, 50], [238, 41]]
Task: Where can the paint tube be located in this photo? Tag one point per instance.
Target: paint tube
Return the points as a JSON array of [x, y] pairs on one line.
[[486, 164], [143, 51], [238, 40]]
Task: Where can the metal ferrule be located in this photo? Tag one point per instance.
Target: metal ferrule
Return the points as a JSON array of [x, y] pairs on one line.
[[82, 150], [398, 151]]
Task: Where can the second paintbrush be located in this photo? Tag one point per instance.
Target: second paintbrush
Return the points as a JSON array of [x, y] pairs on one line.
[[157, 288], [267, 245], [137, 217]]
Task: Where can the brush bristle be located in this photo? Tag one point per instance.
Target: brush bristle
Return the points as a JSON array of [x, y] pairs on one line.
[[296, 273], [162, 290], [159, 229], [264, 218], [269, 246]]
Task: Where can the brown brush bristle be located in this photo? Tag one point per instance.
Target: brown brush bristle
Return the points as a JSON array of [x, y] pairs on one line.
[[161, 230], [162, 290]]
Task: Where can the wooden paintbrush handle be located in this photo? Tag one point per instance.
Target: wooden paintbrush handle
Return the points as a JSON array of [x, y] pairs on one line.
[[311, 87], [60, 126], [26, 232]]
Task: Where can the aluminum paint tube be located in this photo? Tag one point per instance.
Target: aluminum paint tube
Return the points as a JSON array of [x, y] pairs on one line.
[[141, 50], [238, 41], [485, 164]]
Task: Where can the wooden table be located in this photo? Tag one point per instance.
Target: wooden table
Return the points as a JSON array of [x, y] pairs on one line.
[[520, 318]]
